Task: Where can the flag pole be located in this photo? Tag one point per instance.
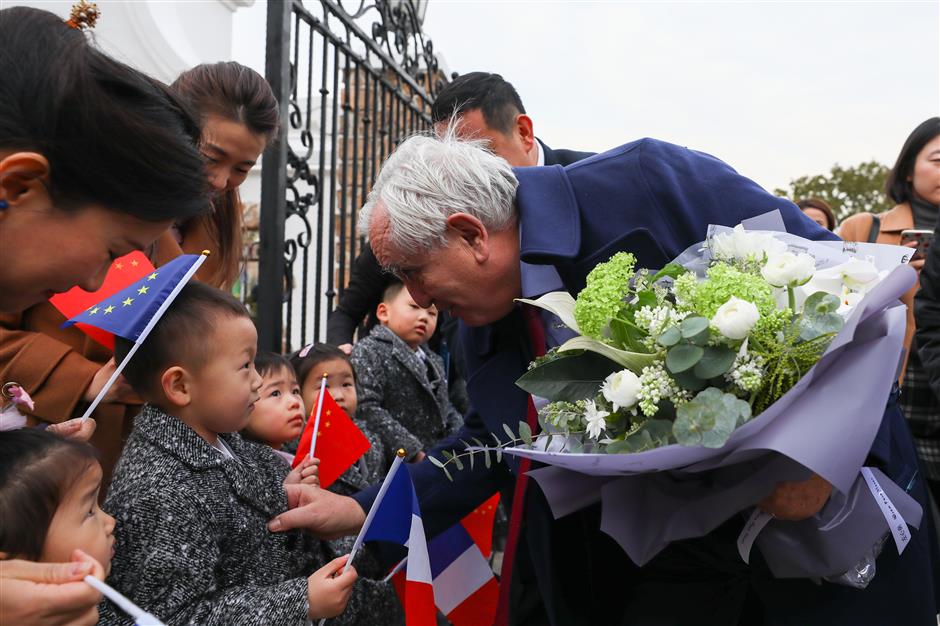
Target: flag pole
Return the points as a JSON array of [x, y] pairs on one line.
[[316, 420], [399, 456], [375, 506], [141, 617], [396, 569], [143, 334]]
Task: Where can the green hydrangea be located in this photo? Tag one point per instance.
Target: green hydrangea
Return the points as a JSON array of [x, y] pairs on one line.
[[724, 281], [601, 299]]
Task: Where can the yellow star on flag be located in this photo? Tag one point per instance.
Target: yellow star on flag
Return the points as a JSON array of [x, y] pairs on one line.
[[135, 262], [108, 310], [93, 310], [120, 266], [327, 425], [143, 290], [128, 301], [152, 276]]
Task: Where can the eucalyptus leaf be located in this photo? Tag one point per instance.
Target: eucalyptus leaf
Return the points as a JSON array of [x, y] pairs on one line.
[[446, 473], [633, 361], [683, 357], [716, 361], [688, 380], [458, 462], [692, 326], [525, 433], [652, 434], [435, 461], [499, 455], [486, 458], [568, 378], [561, 303], [670, 337], [709, 418]]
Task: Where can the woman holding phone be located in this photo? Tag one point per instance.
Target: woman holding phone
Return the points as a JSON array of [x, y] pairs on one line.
[[914, 185]]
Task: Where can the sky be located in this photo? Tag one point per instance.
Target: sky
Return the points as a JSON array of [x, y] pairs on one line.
[[777, 89]]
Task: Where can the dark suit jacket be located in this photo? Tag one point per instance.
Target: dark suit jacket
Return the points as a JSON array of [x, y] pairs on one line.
[[653, 199]]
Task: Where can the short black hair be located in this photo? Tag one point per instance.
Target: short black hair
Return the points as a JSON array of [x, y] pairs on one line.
[[306, 359], [496, 98], [270, 362], [392, 290], [37, 470], [898, 187], [180, 337], [113, 136]]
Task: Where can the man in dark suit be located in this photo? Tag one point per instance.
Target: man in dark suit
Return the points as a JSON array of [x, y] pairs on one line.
[[470, 234], [489, 108]]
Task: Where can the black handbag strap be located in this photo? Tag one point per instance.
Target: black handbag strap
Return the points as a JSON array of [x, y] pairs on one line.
[[875, 228]]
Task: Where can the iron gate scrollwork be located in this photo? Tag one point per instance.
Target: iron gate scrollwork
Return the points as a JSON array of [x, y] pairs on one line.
[[348, 96]]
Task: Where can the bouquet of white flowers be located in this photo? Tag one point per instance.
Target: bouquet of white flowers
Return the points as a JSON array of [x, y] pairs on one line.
[[756, 357]]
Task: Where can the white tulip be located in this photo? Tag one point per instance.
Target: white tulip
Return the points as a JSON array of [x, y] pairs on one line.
[[746, 245], [788, 269], [622, 389], [735, 318]]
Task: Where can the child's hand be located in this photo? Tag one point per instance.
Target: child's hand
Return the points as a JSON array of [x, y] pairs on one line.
[[328, 590], [307, 473]]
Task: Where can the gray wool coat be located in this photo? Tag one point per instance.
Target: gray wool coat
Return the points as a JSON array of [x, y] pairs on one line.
[[192, 540], [402, 404]]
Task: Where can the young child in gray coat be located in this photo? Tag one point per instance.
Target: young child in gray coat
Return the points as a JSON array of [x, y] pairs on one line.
[[192, 498], [402, 385]]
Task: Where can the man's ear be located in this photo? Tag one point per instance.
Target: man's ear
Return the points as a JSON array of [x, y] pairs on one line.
[[177, 386], [22, 173], [526, 131], [473, 233]]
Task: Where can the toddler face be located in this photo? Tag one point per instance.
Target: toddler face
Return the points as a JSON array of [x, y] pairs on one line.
[[414, 324], [80, 523], [278, 415], [225, 389], [339, 381]]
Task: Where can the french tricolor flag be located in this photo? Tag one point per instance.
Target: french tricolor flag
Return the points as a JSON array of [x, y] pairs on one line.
[[395, 517], [465, 589]]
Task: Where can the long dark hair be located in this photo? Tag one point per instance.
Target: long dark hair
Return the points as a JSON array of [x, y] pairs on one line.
[[238, 94], [37, 470], [113, 137], [898, 187]]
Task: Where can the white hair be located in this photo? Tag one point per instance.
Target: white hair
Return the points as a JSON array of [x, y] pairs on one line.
[[430, 177]]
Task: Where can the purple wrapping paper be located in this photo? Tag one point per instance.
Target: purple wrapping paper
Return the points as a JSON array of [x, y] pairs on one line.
[[825, 425]]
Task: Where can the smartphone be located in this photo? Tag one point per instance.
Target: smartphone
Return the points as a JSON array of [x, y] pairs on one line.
[[923, 239]]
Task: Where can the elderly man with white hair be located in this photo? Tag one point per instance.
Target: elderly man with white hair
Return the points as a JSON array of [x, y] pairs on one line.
[[469, 233]]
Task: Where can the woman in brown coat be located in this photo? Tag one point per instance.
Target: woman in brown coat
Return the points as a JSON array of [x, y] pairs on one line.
[[62, 368], [914, 184]]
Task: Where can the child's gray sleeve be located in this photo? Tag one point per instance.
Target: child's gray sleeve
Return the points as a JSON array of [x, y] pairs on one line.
[[166, 559]]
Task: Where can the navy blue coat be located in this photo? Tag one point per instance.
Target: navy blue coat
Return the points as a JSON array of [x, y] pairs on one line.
[[653, 199]]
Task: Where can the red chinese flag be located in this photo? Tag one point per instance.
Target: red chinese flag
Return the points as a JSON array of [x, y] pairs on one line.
[[479, 525], [339, 442], [124, 271]]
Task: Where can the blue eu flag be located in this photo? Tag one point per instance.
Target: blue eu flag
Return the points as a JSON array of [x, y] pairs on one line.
[[128, 312]]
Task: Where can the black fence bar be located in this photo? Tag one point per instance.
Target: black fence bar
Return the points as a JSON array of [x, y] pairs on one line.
[[372, 62]]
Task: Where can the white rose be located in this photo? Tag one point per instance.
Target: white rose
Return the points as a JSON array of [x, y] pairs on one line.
[[735, 318], [856, 274], [788, 269], [746, 245], [622, 389]]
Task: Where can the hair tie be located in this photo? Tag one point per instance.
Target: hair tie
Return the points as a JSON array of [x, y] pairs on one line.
[[84, 15], [305, 350]]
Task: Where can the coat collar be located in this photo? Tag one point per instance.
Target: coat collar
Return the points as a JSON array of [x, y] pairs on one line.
[[403, 353], [897, 219], [251, 483], [547, 209]]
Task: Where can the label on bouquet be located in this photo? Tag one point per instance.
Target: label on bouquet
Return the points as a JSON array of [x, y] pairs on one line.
[[755, 523], [896, 523]]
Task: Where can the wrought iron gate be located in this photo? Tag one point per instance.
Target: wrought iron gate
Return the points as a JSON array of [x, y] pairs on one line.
[[348, 96]]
